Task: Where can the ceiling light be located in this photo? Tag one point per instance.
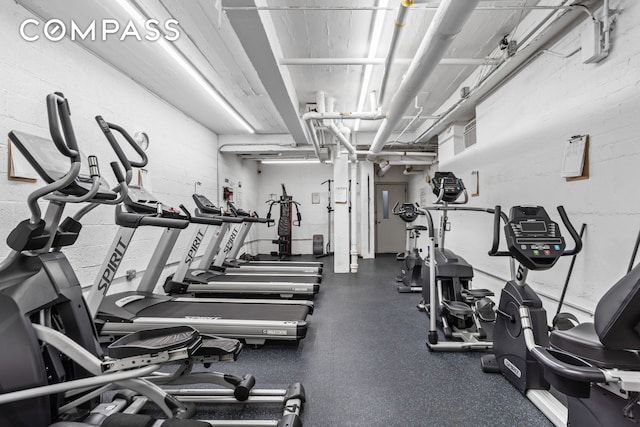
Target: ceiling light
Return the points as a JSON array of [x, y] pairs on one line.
[[373, 46], [290, 162], [190, 69]]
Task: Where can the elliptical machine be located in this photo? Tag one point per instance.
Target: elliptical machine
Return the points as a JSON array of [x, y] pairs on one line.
[[411, 272], [463, 312]]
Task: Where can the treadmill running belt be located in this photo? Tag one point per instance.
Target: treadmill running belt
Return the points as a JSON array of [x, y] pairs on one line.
[[177, 309], [261, 279]]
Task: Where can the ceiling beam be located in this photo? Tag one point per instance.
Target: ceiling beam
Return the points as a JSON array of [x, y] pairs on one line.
[[257, 33]]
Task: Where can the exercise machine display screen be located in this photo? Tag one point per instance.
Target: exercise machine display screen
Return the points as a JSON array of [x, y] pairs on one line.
[[533, 227], [533, 238], [447, 186]]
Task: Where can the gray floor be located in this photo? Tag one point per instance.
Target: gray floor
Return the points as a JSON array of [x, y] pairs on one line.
[[365, 363]]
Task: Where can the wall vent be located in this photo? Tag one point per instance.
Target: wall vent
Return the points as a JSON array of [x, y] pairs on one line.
[[470, 133]]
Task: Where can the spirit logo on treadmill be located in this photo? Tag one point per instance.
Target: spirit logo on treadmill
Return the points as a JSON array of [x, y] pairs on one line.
[[513, 368], [194, 247], [229, 244], [274, 331], [112, 266]]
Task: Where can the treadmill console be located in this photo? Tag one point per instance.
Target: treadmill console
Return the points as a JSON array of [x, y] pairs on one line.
[[533, 238], [205, 205], [236, 211], [448, 184], [141, 201]]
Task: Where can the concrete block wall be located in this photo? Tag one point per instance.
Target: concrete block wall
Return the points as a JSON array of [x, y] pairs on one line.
[[301, 181], [181, 151], [521, 131]]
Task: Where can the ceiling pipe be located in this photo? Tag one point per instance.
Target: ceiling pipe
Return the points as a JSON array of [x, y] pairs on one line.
[[409, 170], [343, 115], [399, 153], [314, 137], [382, 61], [547, 30], [398, 25], [410, 162], [339, 133], [447, 23], [425, 6]]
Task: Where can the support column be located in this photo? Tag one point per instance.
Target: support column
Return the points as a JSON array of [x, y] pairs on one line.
[[340, 242], [354, 251], [366, 208]]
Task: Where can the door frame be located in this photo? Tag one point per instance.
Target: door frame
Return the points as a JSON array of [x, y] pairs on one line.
[[375, 206]]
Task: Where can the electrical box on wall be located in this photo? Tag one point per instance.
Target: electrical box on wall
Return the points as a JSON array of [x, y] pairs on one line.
[[591, 47]]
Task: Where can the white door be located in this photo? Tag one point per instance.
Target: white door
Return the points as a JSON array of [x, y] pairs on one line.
[[390, 229]]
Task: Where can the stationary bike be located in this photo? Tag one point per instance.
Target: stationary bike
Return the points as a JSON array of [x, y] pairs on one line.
[[411, 271]]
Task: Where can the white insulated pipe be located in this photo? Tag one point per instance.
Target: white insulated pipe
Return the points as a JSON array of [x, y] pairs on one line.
[[398, 25], [325, 106], [400, 153], [339, 133], [447, 23], [314, 137], [343, 115], [381, 61]]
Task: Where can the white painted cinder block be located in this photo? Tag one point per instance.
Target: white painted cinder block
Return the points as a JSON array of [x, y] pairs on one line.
[[521, 130], [301, 181], [181, 150]]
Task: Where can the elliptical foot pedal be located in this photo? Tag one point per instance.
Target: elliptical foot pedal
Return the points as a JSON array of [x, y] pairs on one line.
[[489, 364], [486, 310], [152, 341], [222, 349]]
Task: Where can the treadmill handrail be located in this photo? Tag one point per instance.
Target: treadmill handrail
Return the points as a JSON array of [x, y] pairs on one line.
[[134, 220]]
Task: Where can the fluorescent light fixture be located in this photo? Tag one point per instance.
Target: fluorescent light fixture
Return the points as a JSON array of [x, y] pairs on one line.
[[290, 162], [373, 47], [190, 69]]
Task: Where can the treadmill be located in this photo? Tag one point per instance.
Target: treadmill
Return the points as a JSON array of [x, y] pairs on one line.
[[227, 260], [231, 239], [231, 259], [252, 320], [210, 278]]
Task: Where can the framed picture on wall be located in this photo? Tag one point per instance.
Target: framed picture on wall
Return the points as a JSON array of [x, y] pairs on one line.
[[18, 168]]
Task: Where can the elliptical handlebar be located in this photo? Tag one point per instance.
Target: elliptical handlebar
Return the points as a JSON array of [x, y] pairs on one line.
[[126, 162], [497, 215], [426, 213], [572, 231], [59, 115]]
